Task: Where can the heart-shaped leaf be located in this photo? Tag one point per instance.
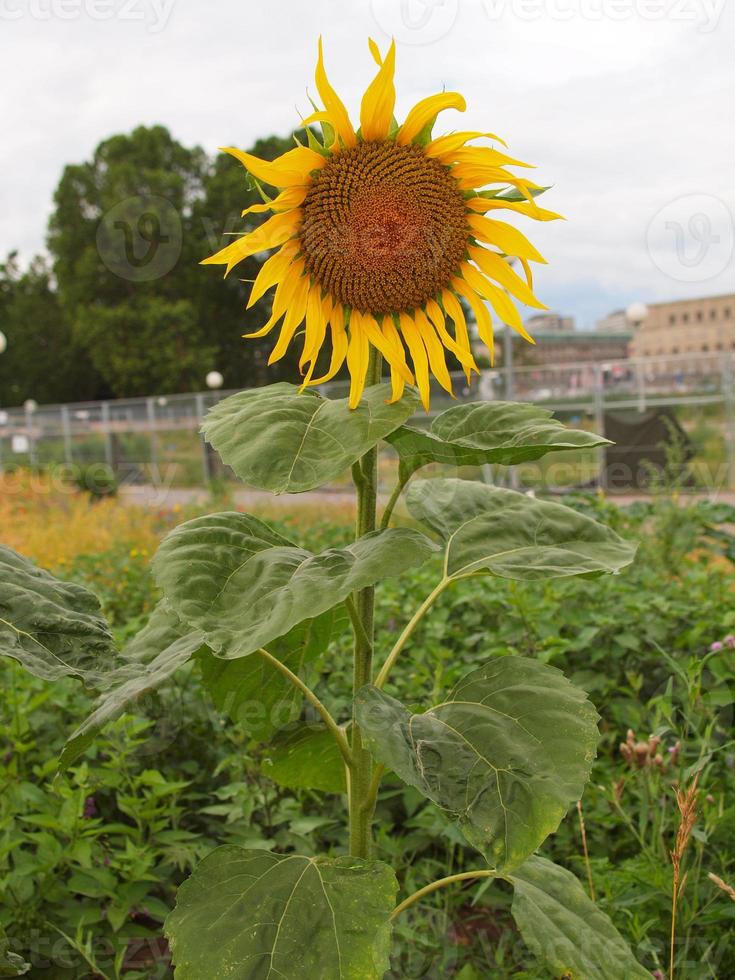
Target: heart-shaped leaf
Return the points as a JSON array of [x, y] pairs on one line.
[[254, 914], [232, 577], [306, 757], [505, 754], [508, 534], [151, 657], [564, 929], [52, 628], [476, 433], [253, 693], [282, 439]]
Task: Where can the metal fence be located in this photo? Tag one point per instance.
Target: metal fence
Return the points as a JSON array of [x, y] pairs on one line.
[[156, 440]]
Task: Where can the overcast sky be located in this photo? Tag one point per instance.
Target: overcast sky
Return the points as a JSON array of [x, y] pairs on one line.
[[625, 105]]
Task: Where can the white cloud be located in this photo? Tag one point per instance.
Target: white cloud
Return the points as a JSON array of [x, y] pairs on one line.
[[623, 116]]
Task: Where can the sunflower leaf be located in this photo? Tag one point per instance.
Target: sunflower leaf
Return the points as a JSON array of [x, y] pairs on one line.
[[281, 439], [243, 585], [487, 432], [52, 628], [505, 533], [150, 658], [305, 757], [253, 693], [564, 929], [282, 915], [506, 754]]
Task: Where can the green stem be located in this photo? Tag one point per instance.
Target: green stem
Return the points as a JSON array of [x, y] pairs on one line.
[[440, 883], [365, 475], [408, 631], [326, 716]]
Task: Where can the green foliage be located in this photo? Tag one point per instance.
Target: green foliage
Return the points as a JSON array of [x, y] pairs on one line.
[[52, 628], [292, 916], [503, 754], [243, 585], [506, 753], [296, 440], [487, 432], [565, 929]]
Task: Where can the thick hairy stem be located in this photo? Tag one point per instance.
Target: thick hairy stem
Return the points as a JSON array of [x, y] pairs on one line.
[[366, 480], [335, 730], [428, 889]]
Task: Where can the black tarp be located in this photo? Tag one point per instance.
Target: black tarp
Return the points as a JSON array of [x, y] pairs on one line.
[[643, 442]]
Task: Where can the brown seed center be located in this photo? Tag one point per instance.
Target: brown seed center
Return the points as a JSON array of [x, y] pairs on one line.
[[384, 227]]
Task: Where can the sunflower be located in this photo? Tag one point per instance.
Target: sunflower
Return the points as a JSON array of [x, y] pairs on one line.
[[382, 233]]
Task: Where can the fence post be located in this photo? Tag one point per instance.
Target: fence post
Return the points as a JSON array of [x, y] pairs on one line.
[[150, 408], [600, 423], [206, 468], [728, 397], [105, 415], [66, 430]]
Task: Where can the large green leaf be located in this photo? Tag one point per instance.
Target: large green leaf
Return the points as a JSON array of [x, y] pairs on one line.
[[282, 439], [151, 657], [254, 915], [567, 931], [505, 754], [11, 965], [232, 577], [306, 757], [252, 692], [52, 628], [487, 432], [508, 534]]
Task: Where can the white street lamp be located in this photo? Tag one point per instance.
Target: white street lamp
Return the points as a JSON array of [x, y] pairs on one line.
[[214, 380], [3, 342]]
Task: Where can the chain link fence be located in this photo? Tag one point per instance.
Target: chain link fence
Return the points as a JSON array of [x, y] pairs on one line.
[[156, 440]]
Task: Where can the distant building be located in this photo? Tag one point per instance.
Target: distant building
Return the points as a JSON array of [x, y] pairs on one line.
[[568, 347], [615, 322], [550, 323], [692, 326]]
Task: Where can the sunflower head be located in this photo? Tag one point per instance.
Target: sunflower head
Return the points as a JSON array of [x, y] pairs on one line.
[[383, 238]]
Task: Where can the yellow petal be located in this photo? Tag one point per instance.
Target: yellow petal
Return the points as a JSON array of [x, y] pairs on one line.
[[527, 270], [272, 271], [418, 355], [482, 315], [339, 117], [463, 353], [453, 141], [501, 302], [292, 320], [530, 209], [397, 378], [316, 326], [425, 111], [275, 231], [375, 52], [455, 311], [282, 297], [291, 169], [358, 356], [339, 346], [376, 111], [395, 356], [505, 237], [498, 269], [434, 350], [482, 156], [292, 197]]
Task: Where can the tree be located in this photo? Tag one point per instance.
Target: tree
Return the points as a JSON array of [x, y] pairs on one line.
[[42, 360]]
